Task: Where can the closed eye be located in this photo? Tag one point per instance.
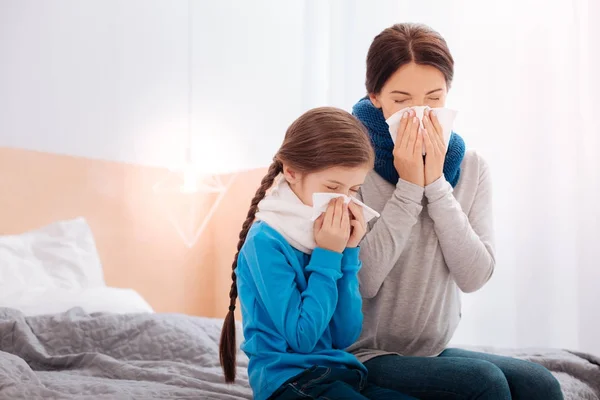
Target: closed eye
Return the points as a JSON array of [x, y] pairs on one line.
[[332, 188]]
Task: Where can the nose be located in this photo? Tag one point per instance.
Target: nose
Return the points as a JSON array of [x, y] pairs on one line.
[[345, 192]]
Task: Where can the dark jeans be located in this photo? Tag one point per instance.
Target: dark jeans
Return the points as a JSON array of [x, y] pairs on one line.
[[333, 383], [460, 374]]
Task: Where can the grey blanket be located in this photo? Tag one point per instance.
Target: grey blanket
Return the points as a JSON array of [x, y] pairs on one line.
[[104, 356], [167, 356]]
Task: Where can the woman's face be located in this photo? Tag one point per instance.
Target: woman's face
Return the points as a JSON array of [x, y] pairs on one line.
[[411, 85]]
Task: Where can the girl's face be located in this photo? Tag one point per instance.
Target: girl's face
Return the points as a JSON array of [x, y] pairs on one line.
[[411, 85], [342, 180]]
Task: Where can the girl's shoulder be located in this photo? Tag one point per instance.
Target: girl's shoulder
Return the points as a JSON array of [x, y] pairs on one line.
[[263, 235], [263, 248]]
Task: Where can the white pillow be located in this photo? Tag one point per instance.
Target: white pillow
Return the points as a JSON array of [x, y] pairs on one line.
[[59, 255], [98, 299]]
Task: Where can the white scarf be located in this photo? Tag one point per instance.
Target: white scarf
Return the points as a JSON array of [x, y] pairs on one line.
[[283, 211]]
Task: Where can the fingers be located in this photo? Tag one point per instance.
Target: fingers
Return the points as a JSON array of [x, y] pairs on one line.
[[427, 124], [357, 232], [318, 223], [402, 127], [429, 128], [356, 226], [356, 212], [429, 146], [434, 128], [410, 121], [328, 219], [438, 127], [345, 216], [338, 212], [418, 148], [414, 130]]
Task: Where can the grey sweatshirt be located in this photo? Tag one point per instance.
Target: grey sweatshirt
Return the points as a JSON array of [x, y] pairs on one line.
[[428, 244]]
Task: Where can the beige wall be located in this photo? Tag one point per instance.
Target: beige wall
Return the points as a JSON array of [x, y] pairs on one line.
[[138, 245]]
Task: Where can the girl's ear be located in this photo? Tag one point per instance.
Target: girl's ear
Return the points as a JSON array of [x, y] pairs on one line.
[[291, 175]]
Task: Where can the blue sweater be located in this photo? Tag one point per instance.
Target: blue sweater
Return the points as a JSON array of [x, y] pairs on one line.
[[298, 310]]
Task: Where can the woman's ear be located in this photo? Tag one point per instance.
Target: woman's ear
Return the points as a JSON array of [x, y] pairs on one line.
[[374, 100], [291, 175]]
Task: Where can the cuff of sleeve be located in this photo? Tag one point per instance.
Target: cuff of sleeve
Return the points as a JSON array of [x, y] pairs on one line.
[[350, 259], [438, 189], [325, 262], [409, 191]]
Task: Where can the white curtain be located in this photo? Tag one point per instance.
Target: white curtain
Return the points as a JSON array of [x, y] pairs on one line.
[[527, 87]]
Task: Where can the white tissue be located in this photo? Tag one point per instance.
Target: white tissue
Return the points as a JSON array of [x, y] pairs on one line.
[[321, 201], [446, 117]]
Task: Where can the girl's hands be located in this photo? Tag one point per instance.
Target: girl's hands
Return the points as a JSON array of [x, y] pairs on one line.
[[357, 223], [332, 228]]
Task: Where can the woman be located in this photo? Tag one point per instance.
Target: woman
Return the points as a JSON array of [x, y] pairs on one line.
[[434, 237]]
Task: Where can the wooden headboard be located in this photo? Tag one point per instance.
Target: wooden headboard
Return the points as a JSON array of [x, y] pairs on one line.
[[138, 245]]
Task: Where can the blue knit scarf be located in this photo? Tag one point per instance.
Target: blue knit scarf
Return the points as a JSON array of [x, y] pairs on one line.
[[372, 117]]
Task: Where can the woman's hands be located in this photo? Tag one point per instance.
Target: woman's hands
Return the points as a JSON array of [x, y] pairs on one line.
[[408, 150], [435, 147]]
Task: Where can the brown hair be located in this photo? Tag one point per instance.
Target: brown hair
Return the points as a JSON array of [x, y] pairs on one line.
[[321, 138], [401, 44]]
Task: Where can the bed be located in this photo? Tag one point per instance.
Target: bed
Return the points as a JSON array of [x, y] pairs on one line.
[[77, 355], [64, 334]]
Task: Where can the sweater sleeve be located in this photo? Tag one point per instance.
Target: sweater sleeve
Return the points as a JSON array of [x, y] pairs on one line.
[[383, 244], [346, 324], [300, 317], [466, 241]]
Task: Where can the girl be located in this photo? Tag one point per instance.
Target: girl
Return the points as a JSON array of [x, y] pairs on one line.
[[297, 280], [434, 237]]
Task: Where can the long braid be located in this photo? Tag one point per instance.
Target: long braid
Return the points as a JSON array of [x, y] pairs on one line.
[[227, 346]]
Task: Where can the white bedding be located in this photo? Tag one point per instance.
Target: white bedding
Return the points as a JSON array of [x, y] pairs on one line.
[[42, 301], [57, 267], [60, 255]]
